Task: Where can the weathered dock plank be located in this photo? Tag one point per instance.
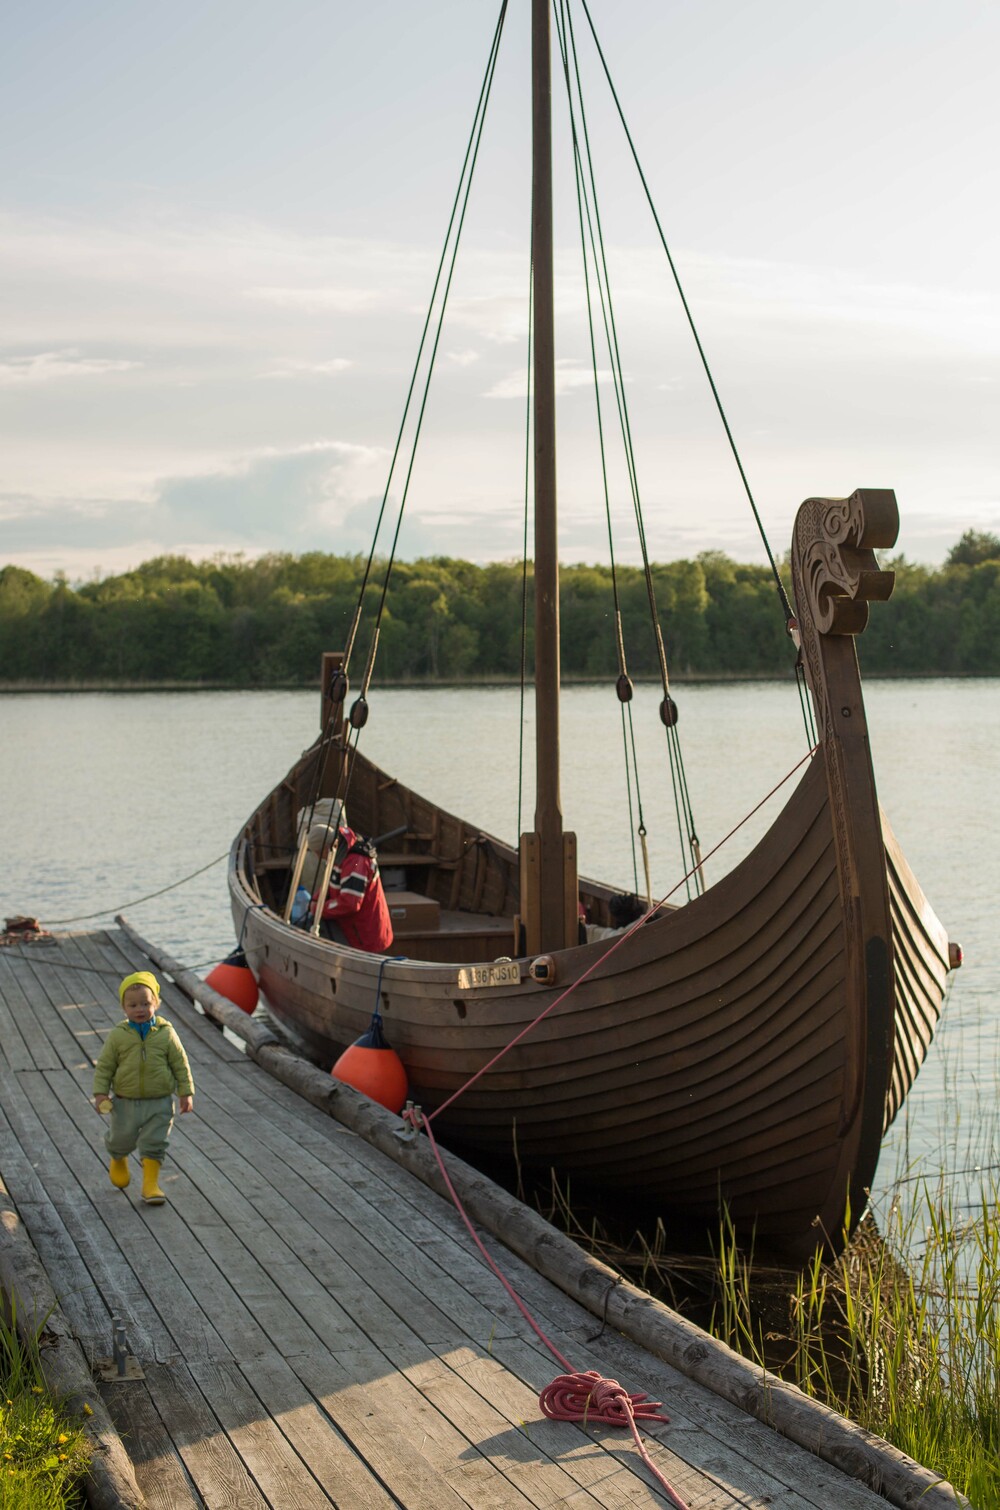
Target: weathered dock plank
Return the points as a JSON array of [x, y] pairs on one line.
[[315, 1325], [16, 1051], [21, 1035], [166, 1482], [322, 1447], [215, 1466]]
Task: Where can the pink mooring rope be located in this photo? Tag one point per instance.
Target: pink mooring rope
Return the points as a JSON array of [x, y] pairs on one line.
[[590, 1397], [586, 1397], [572, 1396]]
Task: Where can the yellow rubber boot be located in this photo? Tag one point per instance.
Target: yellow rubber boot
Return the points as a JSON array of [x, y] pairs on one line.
[[118, 1170], [151, 1192]]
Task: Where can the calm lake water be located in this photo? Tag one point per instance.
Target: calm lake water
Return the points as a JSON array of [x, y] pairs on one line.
[[110, 797]]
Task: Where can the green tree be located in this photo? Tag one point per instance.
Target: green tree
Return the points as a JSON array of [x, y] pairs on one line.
[[974, 547], [21, 592], [268, 620]]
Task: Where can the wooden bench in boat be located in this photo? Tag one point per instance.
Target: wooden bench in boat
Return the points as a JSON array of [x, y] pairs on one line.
[[400, 860], [404, 858]]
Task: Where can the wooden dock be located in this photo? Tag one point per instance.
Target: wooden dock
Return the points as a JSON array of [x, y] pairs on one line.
[[312, 1324]]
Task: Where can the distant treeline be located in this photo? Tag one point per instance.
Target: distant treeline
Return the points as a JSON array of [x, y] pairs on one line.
[[266, 622]]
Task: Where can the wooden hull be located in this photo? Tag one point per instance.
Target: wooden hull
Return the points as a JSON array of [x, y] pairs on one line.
[[748, 1048]]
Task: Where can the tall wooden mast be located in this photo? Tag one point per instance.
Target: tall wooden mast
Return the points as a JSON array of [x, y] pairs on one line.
[[548, 855]]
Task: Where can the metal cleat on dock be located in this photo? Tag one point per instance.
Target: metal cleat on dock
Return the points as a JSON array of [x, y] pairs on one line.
[[121, 1367]]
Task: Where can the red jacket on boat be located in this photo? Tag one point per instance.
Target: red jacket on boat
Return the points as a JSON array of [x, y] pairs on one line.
[[355, 899]]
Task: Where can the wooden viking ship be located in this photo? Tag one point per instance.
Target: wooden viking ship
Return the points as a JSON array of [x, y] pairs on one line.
[[745, 1050]]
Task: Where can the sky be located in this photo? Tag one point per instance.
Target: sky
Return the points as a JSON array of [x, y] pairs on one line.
[[220, 224]]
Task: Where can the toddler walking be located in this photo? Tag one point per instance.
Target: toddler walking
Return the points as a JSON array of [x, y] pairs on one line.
[[142, 1063]]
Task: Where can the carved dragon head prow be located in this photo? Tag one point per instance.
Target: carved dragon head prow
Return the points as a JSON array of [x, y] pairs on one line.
[[833, 557]]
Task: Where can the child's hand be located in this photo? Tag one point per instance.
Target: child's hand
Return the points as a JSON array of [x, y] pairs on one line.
[[186, 1103], [102, 1103]]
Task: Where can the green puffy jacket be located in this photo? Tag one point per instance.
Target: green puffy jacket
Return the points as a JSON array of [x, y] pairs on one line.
[[143, 1067]]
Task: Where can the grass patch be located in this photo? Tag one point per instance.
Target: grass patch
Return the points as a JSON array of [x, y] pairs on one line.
[[43, 1455]]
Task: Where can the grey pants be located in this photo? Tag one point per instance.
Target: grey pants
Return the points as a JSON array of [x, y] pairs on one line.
[[142, 1124]]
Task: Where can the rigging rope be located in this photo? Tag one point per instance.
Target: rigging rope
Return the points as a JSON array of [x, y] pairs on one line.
[[476, 129], [359, 710], [585, 198], [524, 543], [624, 684], [477, 135], [805, 700], [86, 917], [77, 969], [612, 948], [779, 585]]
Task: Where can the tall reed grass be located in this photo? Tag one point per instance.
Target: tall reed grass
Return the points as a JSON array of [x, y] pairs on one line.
[[900, 1334]]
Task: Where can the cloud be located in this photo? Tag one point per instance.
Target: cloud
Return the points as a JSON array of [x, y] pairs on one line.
[[54, 530], [497, 317], [815, 299], [208, 285], [57, 366], [317, 496], [318, 300], [147, 359], [269, 498], [570, 376], [291, 368]]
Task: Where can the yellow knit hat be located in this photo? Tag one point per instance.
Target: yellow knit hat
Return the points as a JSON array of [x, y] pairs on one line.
[[140, 978]]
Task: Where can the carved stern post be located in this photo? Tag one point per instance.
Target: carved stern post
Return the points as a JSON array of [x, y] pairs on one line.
[[835, 576]]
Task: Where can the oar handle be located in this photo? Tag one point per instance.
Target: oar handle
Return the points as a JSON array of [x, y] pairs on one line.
[[300, 860], [393, 833], [324, 886]]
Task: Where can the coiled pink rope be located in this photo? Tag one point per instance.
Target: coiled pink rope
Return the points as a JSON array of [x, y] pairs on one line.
[[590, 1397]]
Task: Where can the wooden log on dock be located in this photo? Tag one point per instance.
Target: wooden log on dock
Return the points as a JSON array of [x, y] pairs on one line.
[[30, 1303], [630, 1310]]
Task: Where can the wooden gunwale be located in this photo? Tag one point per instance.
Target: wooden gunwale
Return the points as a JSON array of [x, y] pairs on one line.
[[622, 984]]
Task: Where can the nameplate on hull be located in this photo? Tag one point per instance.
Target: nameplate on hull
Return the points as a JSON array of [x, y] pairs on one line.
[[506, 973]]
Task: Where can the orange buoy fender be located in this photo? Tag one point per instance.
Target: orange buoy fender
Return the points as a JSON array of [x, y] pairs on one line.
[[374, 1069], [234, 980]]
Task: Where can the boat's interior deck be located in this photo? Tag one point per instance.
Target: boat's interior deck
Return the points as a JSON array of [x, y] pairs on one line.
[[452, 890], [422, 927], [422, 930]]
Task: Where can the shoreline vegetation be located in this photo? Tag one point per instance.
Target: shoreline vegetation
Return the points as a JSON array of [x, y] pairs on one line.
[[691, 679], [230, 623], [900, 1334]]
